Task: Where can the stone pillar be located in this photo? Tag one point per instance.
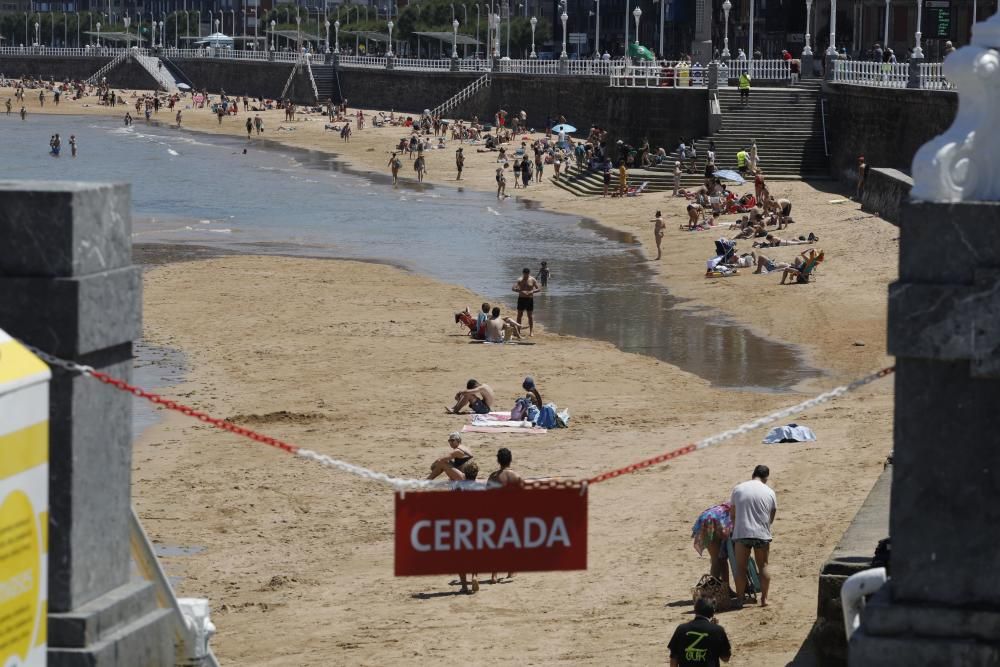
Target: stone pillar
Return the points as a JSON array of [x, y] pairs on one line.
[[390, 62], [69, 288], [807, 66], [913, 80], [335, 59], [831, 65], [270, 55], [563, 65], [941, 605], [455, 65], [713, 76]]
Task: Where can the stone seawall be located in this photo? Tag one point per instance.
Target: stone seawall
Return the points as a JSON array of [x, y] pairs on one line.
[[886, 125], [885, 192], [126, 75]]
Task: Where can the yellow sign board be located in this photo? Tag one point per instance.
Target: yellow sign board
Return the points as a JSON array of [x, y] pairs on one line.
[[24, 505]]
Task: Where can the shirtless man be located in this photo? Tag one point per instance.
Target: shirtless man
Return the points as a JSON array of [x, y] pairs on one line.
[[526, 289], [479, 397], [500, 329], [504, 477], [784, 213]]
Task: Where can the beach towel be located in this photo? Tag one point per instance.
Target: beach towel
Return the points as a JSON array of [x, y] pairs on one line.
[[504, 429], [789, 433]]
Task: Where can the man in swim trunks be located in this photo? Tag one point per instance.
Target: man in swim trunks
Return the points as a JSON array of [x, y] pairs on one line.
[[504, 477], [526, 289], [479, 397], [453, 464]]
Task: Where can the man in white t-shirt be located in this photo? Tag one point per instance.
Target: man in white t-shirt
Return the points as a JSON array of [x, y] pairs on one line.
[[753, 508]]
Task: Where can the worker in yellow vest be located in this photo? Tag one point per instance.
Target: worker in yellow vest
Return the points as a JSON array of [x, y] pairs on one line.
[[744, 87], [741, 161]]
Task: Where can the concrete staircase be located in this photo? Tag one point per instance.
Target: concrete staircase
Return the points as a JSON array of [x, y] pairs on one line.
[[163, 76], [785, 122], [326, 85]]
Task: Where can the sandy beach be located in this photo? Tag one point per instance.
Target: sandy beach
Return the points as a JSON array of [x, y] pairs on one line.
[[297, 559]]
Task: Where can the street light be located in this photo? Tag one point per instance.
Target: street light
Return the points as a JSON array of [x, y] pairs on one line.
[[98, 33], [274, 39], [336, 35], [389, 25], [454, 38], [564, 17], [832, 49], [885, 39], [298, 32], [77, 29], [127, 21], [750, 41], [807, 51], [917, 51], [496, 35], [477, 31], [534, 22], [637, 13], [597, 30], [726, 8], [162, 33], [326, 24]]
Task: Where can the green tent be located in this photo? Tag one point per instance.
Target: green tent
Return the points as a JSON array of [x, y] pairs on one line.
[[637, 50]]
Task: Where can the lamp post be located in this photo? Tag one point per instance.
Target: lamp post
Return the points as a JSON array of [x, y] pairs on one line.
[[477, 31], [917, 51], [336, 36], [727, 6], [496, 35], [65, 30], [807, 50], [77, 29], [390, 25], [162, 33], [298, 32], [98, 33], [832, 49], [663, 20], [564, 17], [637, 13], [534, 22], [885, 38], [326, 24], [454, 38], [128, 36], [750, 39], [177, 29], [52, 29], [274, 39], [597, 31]]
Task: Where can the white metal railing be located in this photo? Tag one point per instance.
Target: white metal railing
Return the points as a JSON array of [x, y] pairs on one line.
[[369, 62], [163, 76], [657, 75], [474, 65], [932, 77], [462, 95], [437, 64], [591, 67], [868, 73], [312, 79], [529, 66], [760, 69], [117, 60]]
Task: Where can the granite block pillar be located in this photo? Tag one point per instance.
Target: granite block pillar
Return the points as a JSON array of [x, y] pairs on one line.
[[913, 73], [68, 286], [942, 603], [807, 66], [831, 66]]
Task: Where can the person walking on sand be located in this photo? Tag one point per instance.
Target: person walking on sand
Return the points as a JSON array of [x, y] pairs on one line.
[[459, 162], [249, 128], [8, 105], [526, 287], [258, 124], [754, 506], [659, 228], [420, 166], [394, 164]]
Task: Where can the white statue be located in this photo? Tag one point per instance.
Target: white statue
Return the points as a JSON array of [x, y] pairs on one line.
[[961, 164]]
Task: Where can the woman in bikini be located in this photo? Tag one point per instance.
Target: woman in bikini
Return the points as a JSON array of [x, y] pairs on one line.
[[658, 230], [451, 464]]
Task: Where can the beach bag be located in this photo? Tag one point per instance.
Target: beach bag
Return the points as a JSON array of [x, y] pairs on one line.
[[520, 410], [712, 588]]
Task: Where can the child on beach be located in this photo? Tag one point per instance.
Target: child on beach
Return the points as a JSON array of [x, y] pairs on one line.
[[543, 273]]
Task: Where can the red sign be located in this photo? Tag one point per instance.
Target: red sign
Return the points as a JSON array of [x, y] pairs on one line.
[[520, 530]]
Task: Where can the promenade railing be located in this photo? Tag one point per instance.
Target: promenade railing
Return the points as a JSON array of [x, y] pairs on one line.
[[420, 64], [367, 62], [932, 77], [659, 75], [760, 69], [528, 66], [869, 73]]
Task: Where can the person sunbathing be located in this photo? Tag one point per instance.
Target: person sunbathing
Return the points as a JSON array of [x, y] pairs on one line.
[[501, 329], [452, 463], [479, 397], [810, 259], [766, 264], [772, 241]]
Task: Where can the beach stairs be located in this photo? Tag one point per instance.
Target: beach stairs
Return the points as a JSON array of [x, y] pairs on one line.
[[326, 85], [163, 76], [301, 64], [177, 72], [466, 93], [785, 122], [96, 77]]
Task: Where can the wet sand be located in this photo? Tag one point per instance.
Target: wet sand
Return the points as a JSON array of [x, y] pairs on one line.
[[301, 553]]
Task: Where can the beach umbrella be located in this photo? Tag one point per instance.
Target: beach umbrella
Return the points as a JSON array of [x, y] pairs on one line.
[[563, 127], [730, 175]]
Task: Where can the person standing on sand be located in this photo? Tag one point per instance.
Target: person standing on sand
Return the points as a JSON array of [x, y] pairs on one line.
[[249, 128], [501, 183], [526, 288], [658, 230], [394, 164], [677, 179], [258, 124], [459, 162], [8, 105], [504, 477], [754, 506], [420, 166]]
